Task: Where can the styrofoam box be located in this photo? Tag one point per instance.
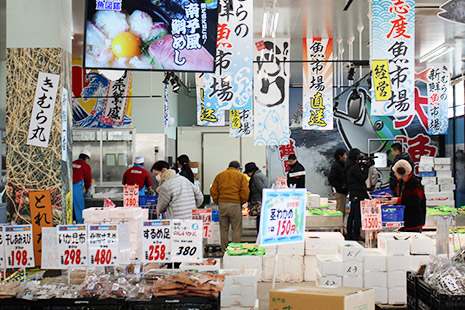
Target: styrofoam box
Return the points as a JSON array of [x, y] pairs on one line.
[[374, 260], [244, 261], [246, 277], [328, 281], [434, 203], [446, 181], [125, 213], [420, 244], [325, 243], [429, 181], [201, 268], [442, 195], [447, 187], [239, 307], [352, 281], [332, 204], [286, 249], [375, 279], [427, 159], [397, 295], [432, 188], [352, 268], [425, 167], [417, 260], [381, 295], [351, 251], [215, 238], [329, 265], [289, 268], [313, 200], [442, 161], [94, 215], [396, 279], [237, 300], [391, 246], [442, 167], [443, 174], [398, 263], [240, 290], [310, 268], [323, 201]]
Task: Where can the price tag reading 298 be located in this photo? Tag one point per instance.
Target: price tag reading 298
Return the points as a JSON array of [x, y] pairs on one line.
[[103, 245], [72, 245], [156, 241]]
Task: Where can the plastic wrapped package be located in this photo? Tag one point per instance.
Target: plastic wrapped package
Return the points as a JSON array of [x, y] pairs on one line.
[[94, 286], [116, 289], [140, 292], [28, 290]]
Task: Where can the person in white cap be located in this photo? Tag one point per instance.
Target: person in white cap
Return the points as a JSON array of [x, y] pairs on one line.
[[137, 175], [82, 178]]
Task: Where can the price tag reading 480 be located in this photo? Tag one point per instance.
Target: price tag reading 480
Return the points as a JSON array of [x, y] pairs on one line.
[[371, 215], [72, 245], [156, 241], [19, 250], [103, 245], [186, 245]]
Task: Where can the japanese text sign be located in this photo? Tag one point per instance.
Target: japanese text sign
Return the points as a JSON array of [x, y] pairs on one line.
[[393, 39], [438, 100], [2, 248], [206, 216], [41, 216], [103, 247], [283, 216], [131, 196], [371, 215], [317, 86], [240, 123], [19, 251], [186, 241], [156, 241], [115, 106], [108, 5], [381, 80], [72, 245], [43, 108]]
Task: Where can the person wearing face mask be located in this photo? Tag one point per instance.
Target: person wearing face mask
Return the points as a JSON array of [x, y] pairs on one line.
[[137, 175], [177, 196]]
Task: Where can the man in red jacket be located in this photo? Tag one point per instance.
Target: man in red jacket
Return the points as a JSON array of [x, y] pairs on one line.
[[137, 175], [82, 178]]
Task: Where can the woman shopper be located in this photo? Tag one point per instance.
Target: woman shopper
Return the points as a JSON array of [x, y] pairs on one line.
[[186, 171], [258, 181]]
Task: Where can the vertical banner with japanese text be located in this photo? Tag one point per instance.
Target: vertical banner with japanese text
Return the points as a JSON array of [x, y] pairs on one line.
[[271, 92], [240, 124], [393, 39], [230, 87], [317, 86], [438, 100], [41, 216]]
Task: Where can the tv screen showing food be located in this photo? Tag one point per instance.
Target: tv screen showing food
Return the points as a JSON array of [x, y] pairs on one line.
[[160, 35]]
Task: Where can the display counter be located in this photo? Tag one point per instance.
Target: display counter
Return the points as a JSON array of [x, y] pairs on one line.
[[324, 222]]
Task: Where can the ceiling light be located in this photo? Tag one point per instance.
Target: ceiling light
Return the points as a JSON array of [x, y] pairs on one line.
[[437, 52], [166, 80], [175, 83]]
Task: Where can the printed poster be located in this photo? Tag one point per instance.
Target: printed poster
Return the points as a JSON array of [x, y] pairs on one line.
[[393, 39], [271, 92], [438, 100], [230, 87], [317, 86]]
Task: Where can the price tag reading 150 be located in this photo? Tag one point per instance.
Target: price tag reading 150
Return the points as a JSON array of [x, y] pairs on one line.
[[156, 241], [103, 245], [72, 245], [131, 196], [186, 240], [19, 250]]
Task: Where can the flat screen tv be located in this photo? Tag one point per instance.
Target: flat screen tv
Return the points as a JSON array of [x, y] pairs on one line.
[[159, 35]]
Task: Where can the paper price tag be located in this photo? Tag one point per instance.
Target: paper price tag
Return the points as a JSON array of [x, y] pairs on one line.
[[371, 215], [156, 241], [205, 215], [131, 196], [103, 245], [19, 250], [72, 245], [186, 241]]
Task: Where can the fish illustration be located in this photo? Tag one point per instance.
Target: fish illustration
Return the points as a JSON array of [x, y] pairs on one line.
[[454, 11], [423, 75]]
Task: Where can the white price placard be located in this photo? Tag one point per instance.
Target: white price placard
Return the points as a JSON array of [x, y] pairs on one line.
[[19, 250], [2, 248], [49, 258], [103, 245], [131, 196], [371, 215], [186, 241], [72, 245], [156, 241], [205, 215]]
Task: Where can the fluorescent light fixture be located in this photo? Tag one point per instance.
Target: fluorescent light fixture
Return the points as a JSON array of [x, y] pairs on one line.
[[270, 20], [275, 23], [437, 52], [265, 22]]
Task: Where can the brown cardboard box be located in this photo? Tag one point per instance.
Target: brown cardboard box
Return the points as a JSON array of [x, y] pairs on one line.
[[318, 298]]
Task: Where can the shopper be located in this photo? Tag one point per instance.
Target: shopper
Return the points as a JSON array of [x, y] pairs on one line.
[[230, 191], [82, 179], [356, 173], [337, 179], [373, 176], [186, 171], [410, 193], [296, 173], [396, 151], [258, 181], [177, 196], [137, 175]]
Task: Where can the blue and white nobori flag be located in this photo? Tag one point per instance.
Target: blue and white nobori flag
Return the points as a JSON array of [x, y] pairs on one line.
[[438, 100], [230, 87], [166, 113], [393, 38], [271, 92]]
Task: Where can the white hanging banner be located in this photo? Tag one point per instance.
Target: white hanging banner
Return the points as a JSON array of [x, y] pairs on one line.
[[186, 241], [271, 92], [103, 245], [317, 85], [72, 245], [393, 39], [156, 241], [240, 124], [438, 100], [19, 250]]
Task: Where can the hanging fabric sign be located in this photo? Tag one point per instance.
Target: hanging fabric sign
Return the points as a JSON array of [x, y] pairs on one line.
[[271, 92], [230, 87], [438, 100], [165, 106], [381, 80], [317, 86], [393, 38], [241, 123]]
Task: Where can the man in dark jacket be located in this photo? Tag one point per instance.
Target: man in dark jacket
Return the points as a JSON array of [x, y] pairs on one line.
[[337, 179], [356, 174], [296, 174], [258, 181], [396, 150]]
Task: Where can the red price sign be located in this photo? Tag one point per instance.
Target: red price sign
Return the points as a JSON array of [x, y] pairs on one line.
[[157, 252], [131, 196], [206, 216], [156, 241], [371, 215], [102, 257], [19, 249], [285, 227], [103, 245], [72, 245]]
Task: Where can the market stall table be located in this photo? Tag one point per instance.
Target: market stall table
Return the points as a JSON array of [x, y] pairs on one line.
[[324, 222]]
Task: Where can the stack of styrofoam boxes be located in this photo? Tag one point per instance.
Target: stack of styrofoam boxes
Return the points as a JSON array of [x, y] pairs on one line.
[[240, 288], [289, 264], [439, 184], [375, 274], [313, 201], [318, 243], [244, 262], [352, 258], [329, 270], [421, 247]]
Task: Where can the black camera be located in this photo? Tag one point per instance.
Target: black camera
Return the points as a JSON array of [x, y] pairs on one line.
[[366, 160]]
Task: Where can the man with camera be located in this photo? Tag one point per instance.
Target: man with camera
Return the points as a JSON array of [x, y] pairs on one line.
[[356, 168]]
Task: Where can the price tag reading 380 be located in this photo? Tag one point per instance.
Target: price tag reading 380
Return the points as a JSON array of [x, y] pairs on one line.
[[371, 215], [103, 245], [131, 196], [156, 241], [72, 245], [19, 250], [186, 245]]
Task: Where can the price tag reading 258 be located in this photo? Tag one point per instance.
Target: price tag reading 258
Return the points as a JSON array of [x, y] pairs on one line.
[[72, 245], [156, 241], [103, 245]]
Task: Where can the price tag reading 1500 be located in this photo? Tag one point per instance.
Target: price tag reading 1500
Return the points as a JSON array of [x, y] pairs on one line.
[[72, 245], [156, 241], [19, 250], [103, 245]]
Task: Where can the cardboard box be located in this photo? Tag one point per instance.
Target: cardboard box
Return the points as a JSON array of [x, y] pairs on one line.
[[352, 281], [397, 295], [244, 261], [420, 244], [324, 243], [398, 263], [310, 268], [390, 244], [381, 295], [442, 161], [351, 251], [374, 260], [396, 279], [375, 279], [317, 298], [329, 265], [429, 181], [289, 268], [352, 268], [328, 280]]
